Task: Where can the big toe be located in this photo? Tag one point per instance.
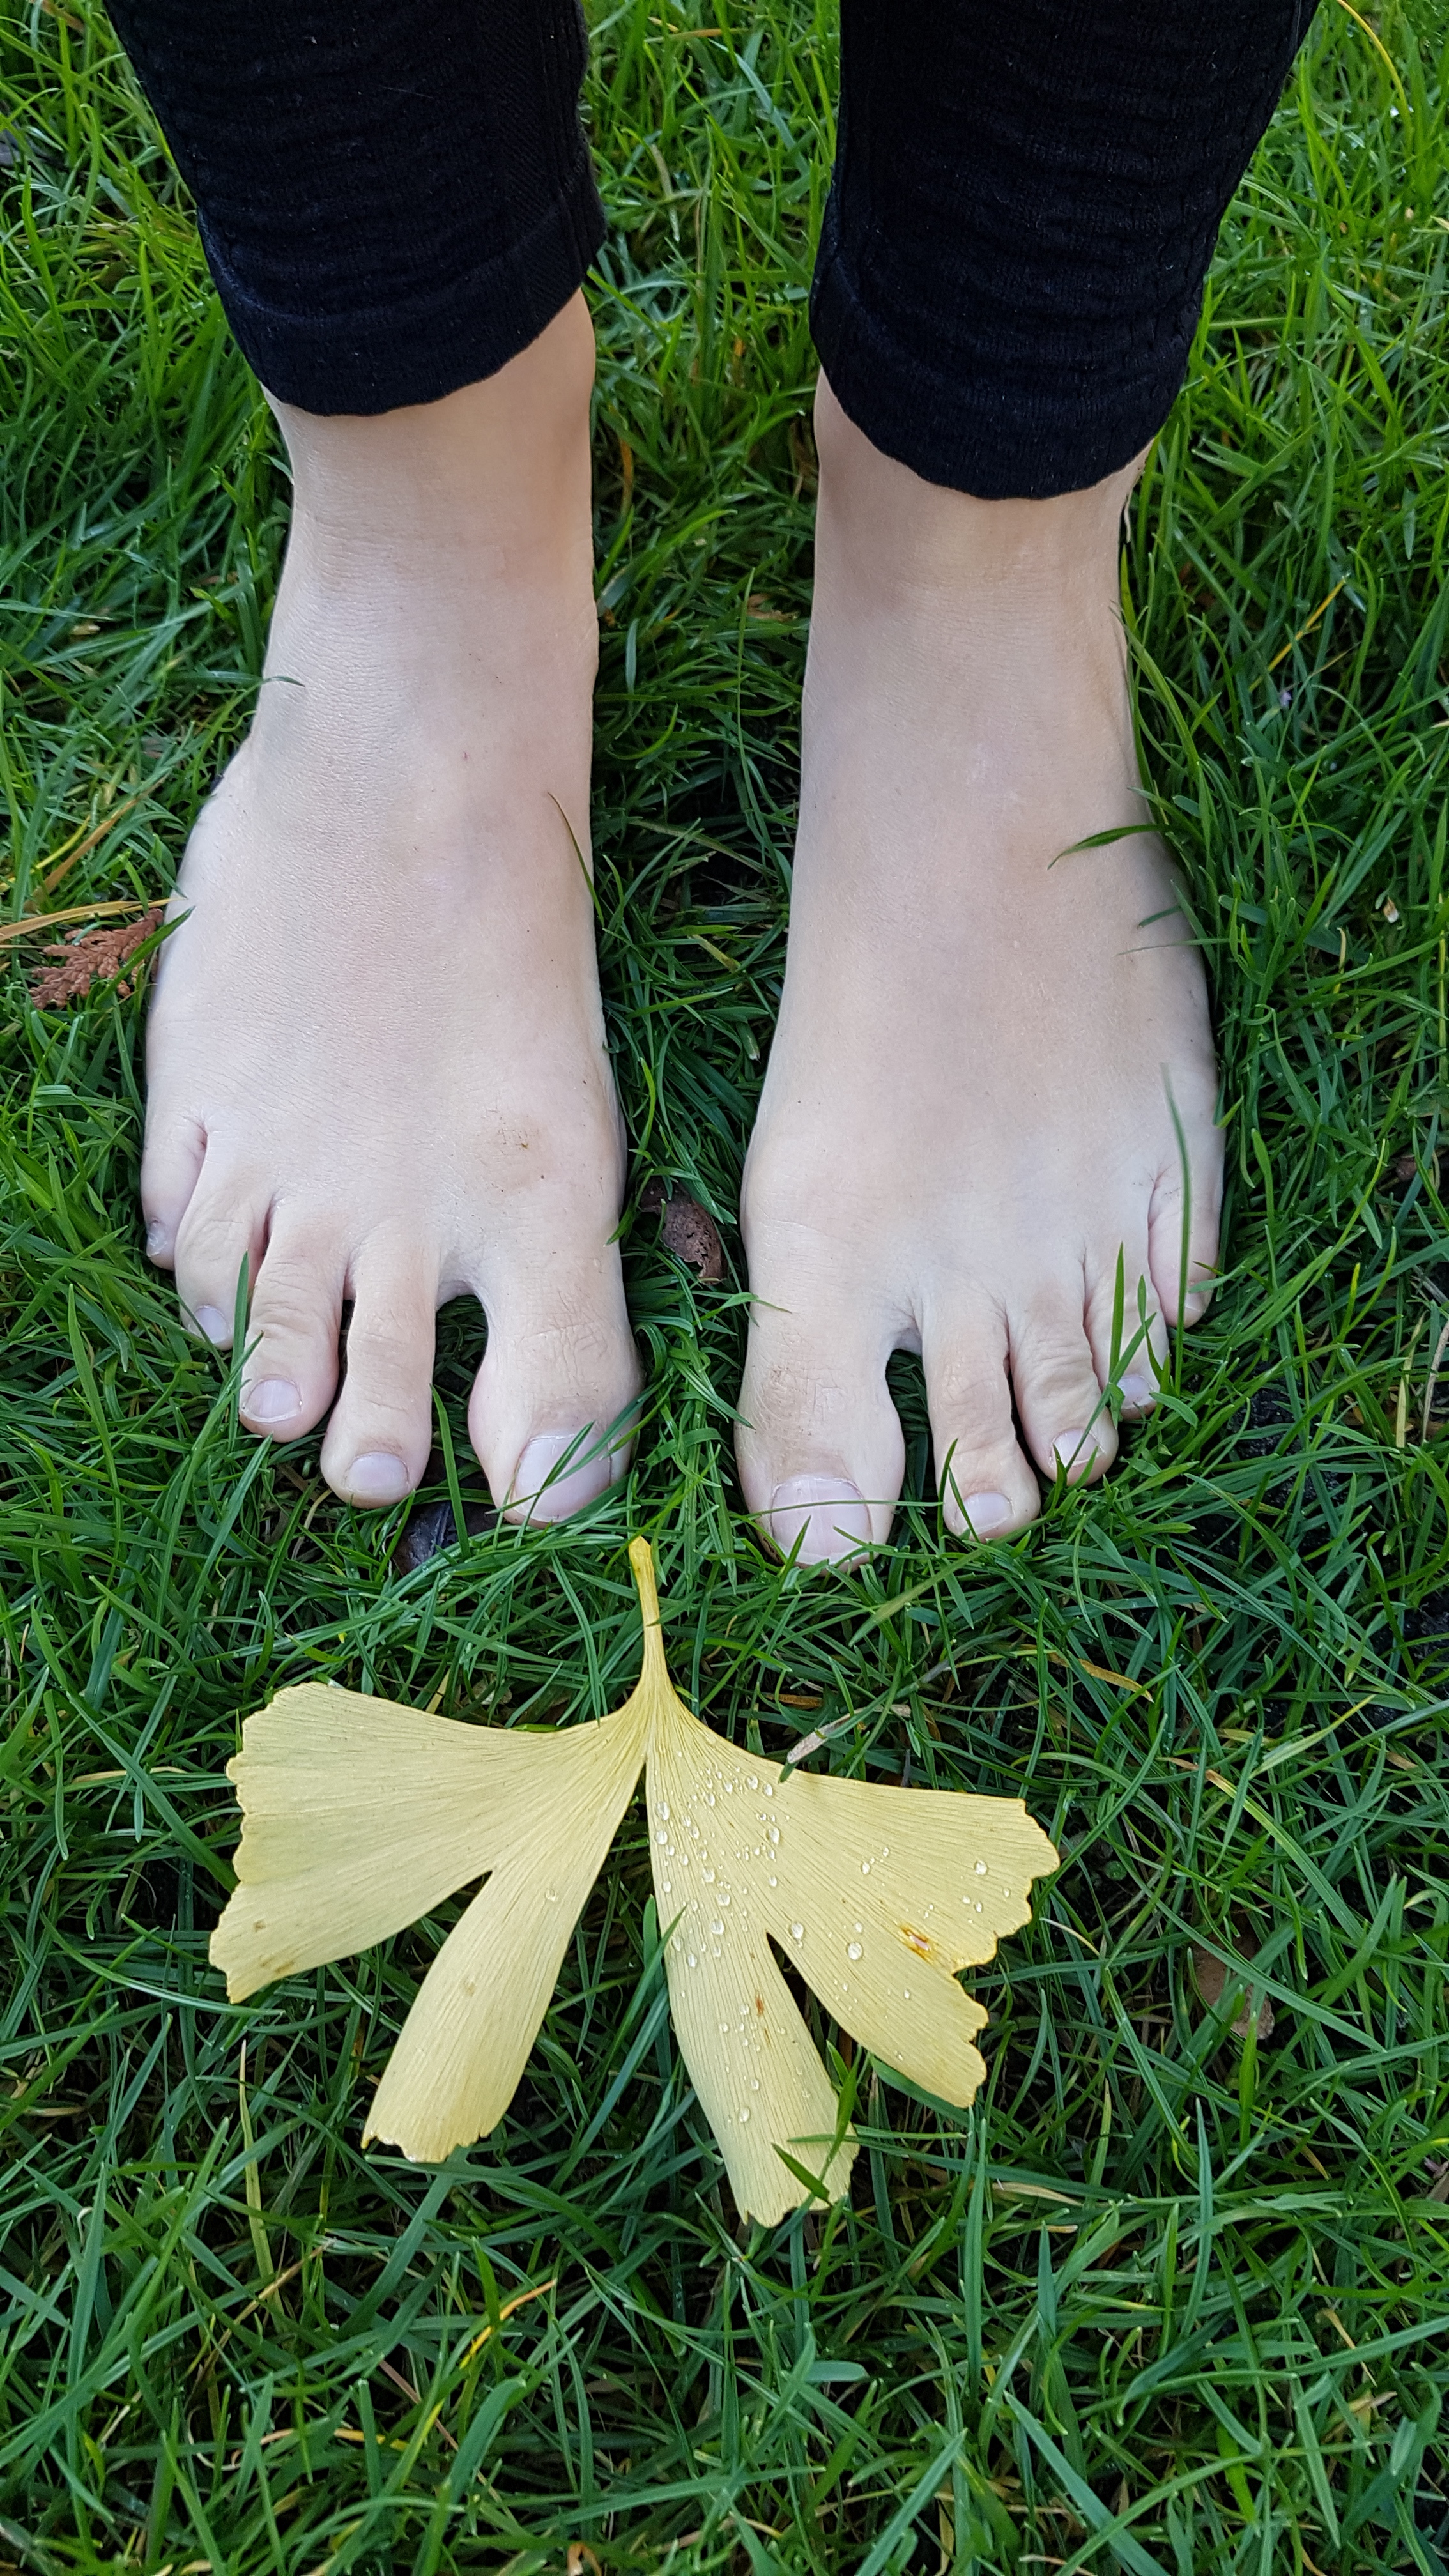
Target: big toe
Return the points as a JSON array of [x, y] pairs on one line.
[[818, 1441]]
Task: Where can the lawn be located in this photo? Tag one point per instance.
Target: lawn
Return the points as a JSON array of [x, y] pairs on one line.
[[1175, 2295]]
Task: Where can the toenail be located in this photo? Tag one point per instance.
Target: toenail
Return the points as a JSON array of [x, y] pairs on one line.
[[827, 1514], [376, 1478], [158, 1240], [580, 1482], [216, 1326], [272, 1399], [1075, 1451], [986, 1513], [1137, 1389]]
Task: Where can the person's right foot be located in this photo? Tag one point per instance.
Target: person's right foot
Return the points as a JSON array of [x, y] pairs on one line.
[[376, 1056]]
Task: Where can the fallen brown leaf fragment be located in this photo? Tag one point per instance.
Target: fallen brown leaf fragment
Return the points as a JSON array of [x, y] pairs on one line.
[[687, 1229], [434, 1527], [93, 958], [1212, 1976]]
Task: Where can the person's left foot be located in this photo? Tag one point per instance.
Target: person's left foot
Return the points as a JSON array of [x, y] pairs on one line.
[[968, 1120]]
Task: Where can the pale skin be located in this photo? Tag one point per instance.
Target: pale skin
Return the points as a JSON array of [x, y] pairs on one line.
[[376, 1056]]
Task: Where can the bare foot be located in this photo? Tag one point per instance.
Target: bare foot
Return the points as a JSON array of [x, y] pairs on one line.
[[967, 1121], [376, 1051]]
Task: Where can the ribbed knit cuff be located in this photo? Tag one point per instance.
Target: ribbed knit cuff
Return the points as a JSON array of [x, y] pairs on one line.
[[382, 356]]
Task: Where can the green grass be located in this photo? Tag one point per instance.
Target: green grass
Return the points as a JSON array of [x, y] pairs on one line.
[[1165, 2300]]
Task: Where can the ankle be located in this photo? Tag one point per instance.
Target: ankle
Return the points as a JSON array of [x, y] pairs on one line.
[[885, 529], [498, 469]]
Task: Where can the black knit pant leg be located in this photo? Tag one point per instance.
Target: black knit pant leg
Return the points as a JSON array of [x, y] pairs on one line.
[[394, 195], [395, 198], [1026, 198]]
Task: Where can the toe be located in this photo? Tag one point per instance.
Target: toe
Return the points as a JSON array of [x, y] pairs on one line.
[[559, 1471], [819, 1442], [379, 1435], [817, 1516], [291, 1370], [170, 1168], [1057, 1390], [224, 1225], [553, 1410], [1129, 1351], [987, 1486], [1183, 1237]]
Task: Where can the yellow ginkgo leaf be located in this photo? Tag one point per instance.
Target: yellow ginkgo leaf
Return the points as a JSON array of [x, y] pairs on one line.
[[360, 1815], [465, 2043]]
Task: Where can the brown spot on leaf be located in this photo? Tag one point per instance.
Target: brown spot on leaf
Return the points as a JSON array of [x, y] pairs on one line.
[[93, 958], [686, 1229], [759, 2003], [1212, 1975], [920, 1942]]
